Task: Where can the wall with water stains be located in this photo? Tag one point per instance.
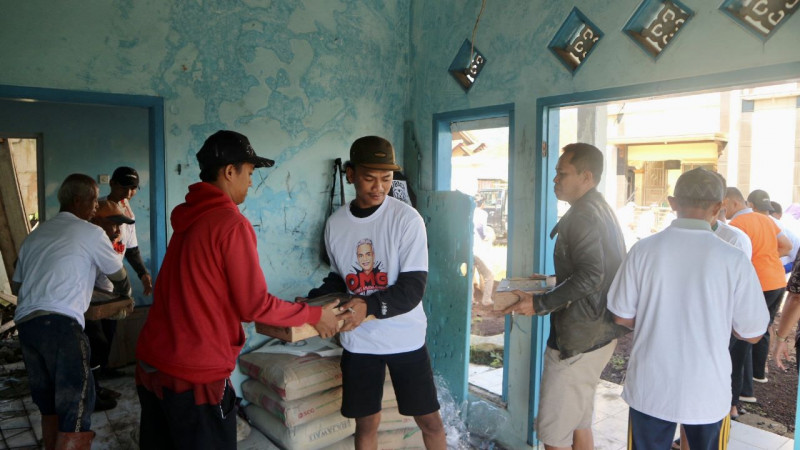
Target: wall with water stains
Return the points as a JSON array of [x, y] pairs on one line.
[[301, 78], [513, 36]]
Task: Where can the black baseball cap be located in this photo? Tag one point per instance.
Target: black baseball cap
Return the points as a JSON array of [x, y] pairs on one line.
[[373, 152], [760, 200], [700, 184], [126, 177], [229, 147]]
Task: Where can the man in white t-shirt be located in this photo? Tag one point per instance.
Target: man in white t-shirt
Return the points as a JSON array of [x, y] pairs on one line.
[[688, 279], [740, 240], [788, 226], [124, 184], [482, 243], [55, 273], [378, 252], [760, 202], [110, 217]]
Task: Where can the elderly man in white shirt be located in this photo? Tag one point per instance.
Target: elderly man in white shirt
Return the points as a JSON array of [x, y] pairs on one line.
[[685, 276], [55, 273]]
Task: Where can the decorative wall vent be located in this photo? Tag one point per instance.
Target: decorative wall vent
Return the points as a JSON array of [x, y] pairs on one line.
[[655, 23], [761, 17], [467, 65], [575, 40]]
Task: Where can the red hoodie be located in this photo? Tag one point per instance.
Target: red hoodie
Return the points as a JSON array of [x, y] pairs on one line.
[[210, 282]]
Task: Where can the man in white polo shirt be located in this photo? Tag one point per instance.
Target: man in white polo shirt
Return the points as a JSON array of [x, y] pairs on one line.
[[685, 278], [55, 273]]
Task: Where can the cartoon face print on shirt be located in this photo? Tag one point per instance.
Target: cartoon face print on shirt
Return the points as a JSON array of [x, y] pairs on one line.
[[366, 276]]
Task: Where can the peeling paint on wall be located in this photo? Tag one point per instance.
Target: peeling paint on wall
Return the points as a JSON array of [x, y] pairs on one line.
[[302, 79]]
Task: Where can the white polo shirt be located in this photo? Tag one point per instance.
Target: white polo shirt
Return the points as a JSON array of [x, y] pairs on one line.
[[735, 237], [57, 266], [793, 238], [687, 289]]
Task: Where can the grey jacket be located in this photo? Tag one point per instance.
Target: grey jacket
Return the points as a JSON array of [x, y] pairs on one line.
[[587, 254]]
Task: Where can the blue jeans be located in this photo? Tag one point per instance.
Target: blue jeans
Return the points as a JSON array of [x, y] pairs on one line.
[[56, 354]]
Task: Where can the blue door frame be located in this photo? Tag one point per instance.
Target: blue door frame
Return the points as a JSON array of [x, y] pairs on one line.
[[442, 152], [155, 108], [547, 139]]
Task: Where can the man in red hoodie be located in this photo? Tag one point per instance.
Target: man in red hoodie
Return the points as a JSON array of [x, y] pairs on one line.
[[210, 282]]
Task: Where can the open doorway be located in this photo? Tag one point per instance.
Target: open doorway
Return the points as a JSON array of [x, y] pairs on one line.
[[25, 158], [750, 135], [20, 188], [479, 168]]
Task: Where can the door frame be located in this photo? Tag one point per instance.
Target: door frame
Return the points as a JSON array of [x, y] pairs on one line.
[[39, 166], [155, 109], [442, 139], [547, 140]]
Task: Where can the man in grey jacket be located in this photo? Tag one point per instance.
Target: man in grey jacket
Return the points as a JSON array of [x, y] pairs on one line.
[[587, 254]]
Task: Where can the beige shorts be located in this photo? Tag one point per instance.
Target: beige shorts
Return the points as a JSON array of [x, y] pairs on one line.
[[566, 398]]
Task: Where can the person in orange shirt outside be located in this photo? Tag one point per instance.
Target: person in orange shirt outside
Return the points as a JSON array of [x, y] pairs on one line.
[[768, 246]]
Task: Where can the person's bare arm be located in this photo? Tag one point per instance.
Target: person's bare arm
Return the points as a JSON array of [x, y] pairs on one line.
[[628, 323], [790, 314], [524, 306], [328, 324], [784, 245], [122, 285], [353, 313], [752, 340]]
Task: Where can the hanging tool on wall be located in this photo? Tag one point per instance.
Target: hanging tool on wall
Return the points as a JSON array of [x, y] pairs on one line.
[[337, 172]]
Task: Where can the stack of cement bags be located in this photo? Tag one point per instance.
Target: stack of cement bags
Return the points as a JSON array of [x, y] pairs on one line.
[[295, 401]]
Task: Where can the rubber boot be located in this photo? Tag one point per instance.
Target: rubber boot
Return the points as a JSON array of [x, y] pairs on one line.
[[75, 441], [49, 431]]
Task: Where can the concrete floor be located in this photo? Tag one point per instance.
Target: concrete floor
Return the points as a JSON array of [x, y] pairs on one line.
[[116, 429], [611, 417]]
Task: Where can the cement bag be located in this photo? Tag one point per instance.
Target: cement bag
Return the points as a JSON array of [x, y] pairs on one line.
[[388, 440], [311, 436], [303, 410], [292, 377], [391, 419], [242, 429], [293, 412]]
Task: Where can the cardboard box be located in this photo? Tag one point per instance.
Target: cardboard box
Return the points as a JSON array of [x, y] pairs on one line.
[[288, 334], [106, 304], [294, 334], [503, 297]]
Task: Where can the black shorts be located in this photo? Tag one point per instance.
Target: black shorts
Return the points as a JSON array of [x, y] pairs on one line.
[[363, 376]]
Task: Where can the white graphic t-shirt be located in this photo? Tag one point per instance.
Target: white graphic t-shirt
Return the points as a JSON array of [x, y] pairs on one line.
[[127, 239], [369, 253], [127, 231]]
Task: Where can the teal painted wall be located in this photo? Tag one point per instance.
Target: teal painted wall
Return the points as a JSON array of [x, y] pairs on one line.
[[513, 35], [301, 78], [91, 140]]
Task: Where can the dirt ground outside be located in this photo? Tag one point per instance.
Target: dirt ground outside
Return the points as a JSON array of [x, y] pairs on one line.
[[776, 399]]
